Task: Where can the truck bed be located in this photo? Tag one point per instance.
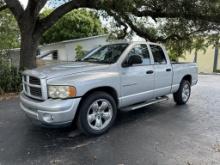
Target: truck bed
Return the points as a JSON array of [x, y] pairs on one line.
[[184, 68]]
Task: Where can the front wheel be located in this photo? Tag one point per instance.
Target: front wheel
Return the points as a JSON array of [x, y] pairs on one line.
[[97, 114], [182, 95]]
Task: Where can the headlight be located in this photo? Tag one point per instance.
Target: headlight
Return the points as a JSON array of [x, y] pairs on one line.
[[61, 91]]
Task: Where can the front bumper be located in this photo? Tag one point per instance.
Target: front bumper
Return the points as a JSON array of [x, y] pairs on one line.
[[52, 112]]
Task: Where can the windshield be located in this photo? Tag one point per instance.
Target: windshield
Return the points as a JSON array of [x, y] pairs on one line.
[[108, 54]]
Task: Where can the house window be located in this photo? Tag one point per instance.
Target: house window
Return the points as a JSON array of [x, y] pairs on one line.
[[38, 52], [55, 55]]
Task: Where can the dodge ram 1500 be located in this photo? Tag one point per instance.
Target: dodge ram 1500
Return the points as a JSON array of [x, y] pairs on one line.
[[120, 76]]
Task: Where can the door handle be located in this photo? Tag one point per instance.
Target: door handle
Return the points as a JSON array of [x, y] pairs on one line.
[[168, 70], [150, 72]]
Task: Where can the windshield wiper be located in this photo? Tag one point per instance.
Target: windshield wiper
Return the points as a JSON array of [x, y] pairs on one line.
[[91, 58], [95, 60]]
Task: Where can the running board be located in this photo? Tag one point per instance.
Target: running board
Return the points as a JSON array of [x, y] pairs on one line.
[[141, 105]]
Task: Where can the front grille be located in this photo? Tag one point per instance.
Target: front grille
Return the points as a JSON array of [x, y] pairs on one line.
[[35, 91], [34, 80], [32, 87], [25, 78]]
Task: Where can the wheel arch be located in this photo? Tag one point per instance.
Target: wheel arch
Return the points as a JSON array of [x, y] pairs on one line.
[[187, 77], [110, 90]]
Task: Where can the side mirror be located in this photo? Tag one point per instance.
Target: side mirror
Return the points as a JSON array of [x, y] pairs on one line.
[[135, 59]]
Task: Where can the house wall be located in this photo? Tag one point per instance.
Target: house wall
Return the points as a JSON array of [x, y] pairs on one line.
[[218, 66], [60, 49], [86, 45], [205, 60], [66, 50]]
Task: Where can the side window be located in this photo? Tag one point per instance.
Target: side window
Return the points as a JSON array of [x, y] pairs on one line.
[[158, 54], [142, 51]]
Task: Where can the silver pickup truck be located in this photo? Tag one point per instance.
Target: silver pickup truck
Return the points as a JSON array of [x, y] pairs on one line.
[[120, 76]]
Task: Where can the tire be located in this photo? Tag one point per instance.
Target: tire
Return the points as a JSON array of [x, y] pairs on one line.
[[182, 96], [97, 114]]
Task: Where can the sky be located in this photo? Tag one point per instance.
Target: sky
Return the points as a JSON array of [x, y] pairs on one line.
[[24, 3]]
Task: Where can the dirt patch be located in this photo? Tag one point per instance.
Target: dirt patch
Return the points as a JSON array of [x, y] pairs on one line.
[[8, 96]]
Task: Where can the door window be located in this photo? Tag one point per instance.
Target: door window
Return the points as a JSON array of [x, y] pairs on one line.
[[141, 50], [158, 54]]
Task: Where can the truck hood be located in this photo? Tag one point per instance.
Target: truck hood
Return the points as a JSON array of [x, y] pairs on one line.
[[64, 69]]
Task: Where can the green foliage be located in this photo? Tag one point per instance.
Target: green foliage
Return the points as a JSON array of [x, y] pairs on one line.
[[9, 31], [79, 52], [199, 44], [213, 40], [173, 20], [76, 24], [177, 48], [10, 77]]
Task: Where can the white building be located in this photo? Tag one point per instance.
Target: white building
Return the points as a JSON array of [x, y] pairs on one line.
[[65, 50]]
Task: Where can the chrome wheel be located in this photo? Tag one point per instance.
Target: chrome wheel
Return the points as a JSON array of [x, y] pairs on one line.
[[186, 92], [100, 114]]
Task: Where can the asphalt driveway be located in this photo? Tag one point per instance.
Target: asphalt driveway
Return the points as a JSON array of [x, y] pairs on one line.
[[161, 134]]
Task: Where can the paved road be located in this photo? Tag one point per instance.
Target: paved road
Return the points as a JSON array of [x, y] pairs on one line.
[[163, 134]]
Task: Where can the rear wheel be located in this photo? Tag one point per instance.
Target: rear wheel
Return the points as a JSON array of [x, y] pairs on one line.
[[183, 94], [97, 113]]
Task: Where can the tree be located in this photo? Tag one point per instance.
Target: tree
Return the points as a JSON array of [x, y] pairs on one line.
[[214, 41], [76, 24], [177, 48], [198, 15], [198, 44], [9, 31]]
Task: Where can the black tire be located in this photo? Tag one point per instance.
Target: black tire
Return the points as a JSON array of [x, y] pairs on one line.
[[178, 97], [82, 121]]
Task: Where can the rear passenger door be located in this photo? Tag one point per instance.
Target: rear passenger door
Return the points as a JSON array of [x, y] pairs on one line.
[[163, 71]]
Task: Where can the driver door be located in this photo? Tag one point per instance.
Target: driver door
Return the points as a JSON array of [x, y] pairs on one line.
[[137, 81]]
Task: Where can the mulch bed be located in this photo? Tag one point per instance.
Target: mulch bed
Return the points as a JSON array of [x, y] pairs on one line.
[[8, 96]]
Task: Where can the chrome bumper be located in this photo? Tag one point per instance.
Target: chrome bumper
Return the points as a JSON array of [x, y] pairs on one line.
[[50, 112]]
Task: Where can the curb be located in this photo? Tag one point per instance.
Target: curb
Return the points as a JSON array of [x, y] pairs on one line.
[[218, 74]]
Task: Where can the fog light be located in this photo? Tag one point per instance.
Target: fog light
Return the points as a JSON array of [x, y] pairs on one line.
[[47, 117]]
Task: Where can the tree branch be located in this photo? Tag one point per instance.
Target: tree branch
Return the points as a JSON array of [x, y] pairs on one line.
[[125, 20], [189, 16], [119, 20], [47, 22], [15, 8], [140, 31], [35, 6], [3, 7]]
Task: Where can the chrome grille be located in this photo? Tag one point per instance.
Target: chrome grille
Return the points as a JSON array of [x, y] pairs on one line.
[[33, 87]]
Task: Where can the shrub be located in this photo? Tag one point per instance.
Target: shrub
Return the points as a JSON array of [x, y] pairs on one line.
[[10, 78], [79, 52]]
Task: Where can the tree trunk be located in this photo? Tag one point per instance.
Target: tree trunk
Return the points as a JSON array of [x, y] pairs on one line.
[[196, 57], [215, 66], [28, 52]]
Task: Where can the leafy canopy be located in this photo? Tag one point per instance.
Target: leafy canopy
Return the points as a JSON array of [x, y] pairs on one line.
[[174, 20], [9, 31], [76, 24]]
